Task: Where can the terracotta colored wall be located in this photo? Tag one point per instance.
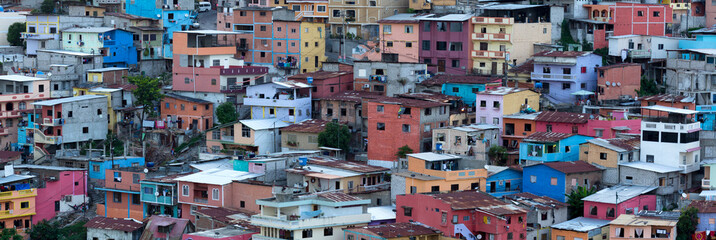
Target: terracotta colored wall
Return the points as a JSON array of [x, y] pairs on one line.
[[248, 193], [568, 235], [399, 38], [190, 198], [382, 144], [629, 78], [519, 129], [123, 209], [188, 114], [681, 105]]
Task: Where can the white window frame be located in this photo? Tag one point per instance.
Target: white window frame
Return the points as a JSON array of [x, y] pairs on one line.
[[215, 194], [185, 190]]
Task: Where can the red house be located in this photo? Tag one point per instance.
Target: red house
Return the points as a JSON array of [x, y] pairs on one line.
[[609, 203], [626, 19], [409, 120], [326, 83], [618, 81], [563, 122], [473, 215]]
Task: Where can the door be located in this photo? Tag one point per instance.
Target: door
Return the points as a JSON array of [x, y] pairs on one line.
[[206, 124], [494, 68], [179, 123], [492, 186], [194, 123], [441, 65]]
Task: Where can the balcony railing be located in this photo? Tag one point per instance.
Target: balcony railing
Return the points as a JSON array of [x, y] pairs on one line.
[[640, 54], [690, 168], [371, 188], [706, 183], [553, 76], [201, 200], [18, 194], [52, 122], [4, 131], [491, 20], [254, 101], [491, 36], [164, 200], [488, 54], [283, 223], [40, 137], [10, 114]]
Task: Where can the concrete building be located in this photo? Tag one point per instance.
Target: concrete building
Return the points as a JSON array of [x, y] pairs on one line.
[[516, 127], [558, 179], [432, 172], [490, 217], [623, 18], [302, 135], [18, 94], [465, 87], [610, 203], [445, 43], [641, 47], [174, 16], [43, 31], [580, 228], [388, 78], [400, 37], [688, 74], [499, 41], [19, 200], [118, 100], [66, 122], [609, 153], [492, 105], [65, 188], [412, 120], [543, 212], [115, 45], [115, 228], [256, 136], [706, 212], [469, 141], [360, 18], [287, 101], [292, 216], [573, 71], [68, 69], [356, 118]]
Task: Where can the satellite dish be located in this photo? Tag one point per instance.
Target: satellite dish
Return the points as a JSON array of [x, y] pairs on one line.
[[305, 184], [146, 170], [156, 194], [49, 74], [159, 15], [619, 84], [607, 83], [684, 195], [479, 236], [614, 84]]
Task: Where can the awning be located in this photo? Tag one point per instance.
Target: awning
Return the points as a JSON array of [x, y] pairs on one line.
[[583, 93]]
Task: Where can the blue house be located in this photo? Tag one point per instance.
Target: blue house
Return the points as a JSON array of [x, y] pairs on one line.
[[464, 87], [541, 147], [116, 45], [707, 116], [700, 42], [174, 18], [503, 181], [555, 179], [559, 74], [707, 212], [25, 144], [98, 166], [159, 196]]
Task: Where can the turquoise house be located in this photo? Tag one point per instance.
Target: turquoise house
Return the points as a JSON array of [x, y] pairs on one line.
[[25, 144], [503, 181], [542, 147], [707, 116], [159, 196], [464, 87], [97, 167], [172, 20], [701, 42]]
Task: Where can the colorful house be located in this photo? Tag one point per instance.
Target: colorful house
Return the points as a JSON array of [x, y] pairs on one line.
[[517, 127], [706, 212], [252, 135], [465, 87], [122, 194], [617, 121], [99, 167], [470, 141], [118, 99], [621, 19], [116, 45], [468, 214], [706, 182], [544, 211], [18, 200], [325, 83], [432, 172], [556, 179], [656, 224], [618, 82], [707, 117], [163, 227], [187, 112], [445, 43], [65, 188], [541, 147], [408, 119], [492, 105], [563, 122], [23, 92], [224, 233], [287, 101], [175, 16], [393, 231], [399, 36], [302, 135], [609, 153], [108, 76], [503, 181], [559, 74], [666, 100], [116, 228], [581, 228], [609, 203]]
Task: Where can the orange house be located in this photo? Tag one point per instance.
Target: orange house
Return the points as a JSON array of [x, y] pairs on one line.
[[122, 194], [668, 100], [432, 172], [183, 112], [581, 228], [17, 207], [517, 127]]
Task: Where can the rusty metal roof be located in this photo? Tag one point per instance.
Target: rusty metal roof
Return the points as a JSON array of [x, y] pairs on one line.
[[479, 200], [308, 126], [665, 98], [526, 67], [407, 102], [441, 79], [396, 230], [572, 167], [118, 224], [346, 165], [621, 65], [563, 117], [430, 96], [338, 197], [704, 206], [547, 136], [320, 75], [352, 96]]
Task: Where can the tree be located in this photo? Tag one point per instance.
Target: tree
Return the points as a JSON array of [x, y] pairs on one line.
[[566, 37], [226, 112], [54, 231], [574, 199], [11, 234], [498, 155], [148, 94], [648, 87], [686, 226], [48, 6], [116, 144], [335, 135], [13, 33], [404, 151]]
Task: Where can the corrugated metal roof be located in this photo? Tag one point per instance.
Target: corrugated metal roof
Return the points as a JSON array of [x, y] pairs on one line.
[[20, 78], [572, 167], [90, 29], [581, 224], [553, 53], [118, 224], [704, 206], [396, 230], [635, 220], [338, 197], [441, 79], [617, 144], [539, 202], [218, 176], [618, 194], [430, 156], [670, 109], [307, 126], [562, 117], [261, 124], [478, 200], [502, 91], [653, 167], [547, 137], [667, 98], [68, 100]]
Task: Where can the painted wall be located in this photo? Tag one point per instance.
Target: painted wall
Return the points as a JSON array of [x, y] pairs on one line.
[[543, 184], [97, 168], [567, 150], [522, 128], [623, 79], [187, 111], [404, 38], [69, 183], [381, 144], [248, 193], [705, 223], [635, 204], [500, 180], [561, 94], [606, 126], [224, 191], [466, 92], [436, 57]]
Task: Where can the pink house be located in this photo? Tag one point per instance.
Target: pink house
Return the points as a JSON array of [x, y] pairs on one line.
[[609, 203], [587, 124], [208, 189], [627, 18], [399, 35], [608, 127], [64, 189], [326, 83]]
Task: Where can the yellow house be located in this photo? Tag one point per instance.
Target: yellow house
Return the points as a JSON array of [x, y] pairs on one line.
[[496, 42], [432, 172], [312, 34], [303, 135], [251, 135], [108, 75], [418, 5]]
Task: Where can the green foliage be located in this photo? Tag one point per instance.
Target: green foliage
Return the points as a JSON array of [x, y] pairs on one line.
[[117, 145], [687, 223], [587, 46], [404, 151], [604, 52], [54, 231], [566, 37], [410, 10], [498, 155], [48, 6], [226, 113], [688, 31], [335, 135], [13, 33], [648, 87], [11, 234], [574, 199], [148, 93]]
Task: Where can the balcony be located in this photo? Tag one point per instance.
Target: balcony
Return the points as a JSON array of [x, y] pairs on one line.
[[282, 222], [242, 47], [553, 77], [487, 54], [164, 200], [653, 124], [40, 137], [201, 200], [242, 70], [686, 64], [38, 36], [371, 188], [4, 131], [52, 122], [706, 183], [255, 101], [492, 20], [685, 169], [18, 194], [639, 54], [10, 114], [491, 36]]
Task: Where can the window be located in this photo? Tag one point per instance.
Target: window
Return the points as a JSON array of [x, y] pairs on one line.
[[389, 44], [117, 197], [495, 104], [455, 63], [409, 29], [669, 137], [656, 13], [640, 13], [598, 132], [321, 8], [379, 108], [328, 231], [408, 44], [553, 181], [549, 127], [435, 189], [442, 46], [662, 181], [245, 131], [262, 13], [496, 121], [406, 128], [456, 27], [25, 205], [262, 28], [455, 46], [603, 156], [136, 199], [426, 44], [426, 26], [528, 127], [215, 194], [660, 46], [533, 179], [610, 212], [483, 103], [336, 13], [381, 126], [566, 86], [650, 136], [387, 29], [408, 211], [185, 190], [441, 26], [454, 187], [307, 233]]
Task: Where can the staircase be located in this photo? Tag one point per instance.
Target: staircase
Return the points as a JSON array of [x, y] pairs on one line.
[[299, 15], [462, 230]]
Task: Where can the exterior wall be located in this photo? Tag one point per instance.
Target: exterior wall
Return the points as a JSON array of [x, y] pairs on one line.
[[666, 194], [8, 18], [629, 231], [543, 185], [489, 114], [124, 208], [312, 56], [437, 57], [520, 131], [577, 76], [635, 204], [299, 100], [684, 155], [93, 233], [10, 117], [84, 115], [627, 79], [44, 26], [72, 183], [328, 87], [466, 92], [500, 180], [400, 38], [485, 139], [704, 223], [710, 14], [97, 168], [412, 73], [563, 127], [190, 199], [568, 235], [365, 22], [248, 193], [175, 109], [303, 141], [381, 144], [561, 155], [525, 35], [606, 126]]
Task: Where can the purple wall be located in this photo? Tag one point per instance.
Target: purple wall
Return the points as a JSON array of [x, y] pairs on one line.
[[590, 62], [434, 56]]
